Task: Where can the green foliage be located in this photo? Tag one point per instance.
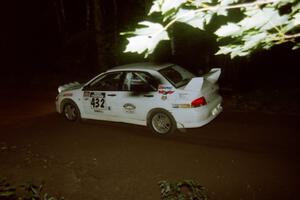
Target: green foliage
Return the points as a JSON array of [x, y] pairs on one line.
[[26, 191], [183, 190], [146, 38], [265, 23]]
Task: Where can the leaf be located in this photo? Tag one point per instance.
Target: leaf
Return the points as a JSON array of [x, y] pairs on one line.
[[231, 29], [198, 3], [297, 46], [227, 2], [155, 7], [169, 14], [208, 16], [223, 50], [164, 6], [222, 11], [267, 46], [264, 19], [253, 40], [296, 7], [146, 38], [237, 52], [275, 21], [233, 50], [191, 17], [171, 4], [296, 20]]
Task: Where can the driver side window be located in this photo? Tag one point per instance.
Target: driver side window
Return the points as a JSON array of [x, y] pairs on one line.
[[108, 82]]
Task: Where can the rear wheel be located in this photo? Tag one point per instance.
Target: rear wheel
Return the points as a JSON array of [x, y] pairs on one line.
[[161, 122], [71, 111]]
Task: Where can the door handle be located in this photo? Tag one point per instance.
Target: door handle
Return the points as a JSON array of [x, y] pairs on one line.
[[148, 95], [111, 95]]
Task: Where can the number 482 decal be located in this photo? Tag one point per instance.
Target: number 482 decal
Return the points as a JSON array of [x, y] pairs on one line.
[[98, 101]]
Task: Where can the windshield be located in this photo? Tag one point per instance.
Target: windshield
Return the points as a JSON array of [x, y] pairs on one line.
[[176, 75]]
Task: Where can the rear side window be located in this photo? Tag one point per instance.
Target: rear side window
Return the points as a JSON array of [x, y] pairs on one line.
[[176, 75], [139, 82]]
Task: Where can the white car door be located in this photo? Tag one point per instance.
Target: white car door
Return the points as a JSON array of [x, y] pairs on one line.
[[138, 97], [99, 96]]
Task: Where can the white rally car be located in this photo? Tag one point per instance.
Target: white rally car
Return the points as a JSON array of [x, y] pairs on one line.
[[163, 97]]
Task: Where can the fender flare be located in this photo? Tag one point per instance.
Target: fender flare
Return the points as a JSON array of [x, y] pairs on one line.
[[158, 109], [63, 103]]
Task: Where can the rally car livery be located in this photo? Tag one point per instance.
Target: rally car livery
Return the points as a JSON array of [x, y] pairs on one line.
[[163, 97]]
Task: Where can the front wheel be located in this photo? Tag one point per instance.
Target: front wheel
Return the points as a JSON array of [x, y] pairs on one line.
[[161, 122], [71, 111]]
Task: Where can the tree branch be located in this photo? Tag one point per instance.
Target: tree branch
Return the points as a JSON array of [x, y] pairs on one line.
[[206, 7], [284, 38], [246, 5], [292, 36]]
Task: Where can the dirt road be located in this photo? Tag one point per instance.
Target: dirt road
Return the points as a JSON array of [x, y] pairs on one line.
[[238, 156]]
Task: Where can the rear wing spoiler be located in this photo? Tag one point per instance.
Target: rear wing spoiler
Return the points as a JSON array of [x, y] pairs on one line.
[[197, 82], [213, 75]]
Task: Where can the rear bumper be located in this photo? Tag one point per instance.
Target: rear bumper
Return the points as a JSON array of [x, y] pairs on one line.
[[197, 117]]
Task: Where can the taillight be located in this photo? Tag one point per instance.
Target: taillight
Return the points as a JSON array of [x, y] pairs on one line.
[[198, 102]]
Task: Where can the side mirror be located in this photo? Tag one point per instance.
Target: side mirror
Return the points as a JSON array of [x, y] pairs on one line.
[[86, 88]]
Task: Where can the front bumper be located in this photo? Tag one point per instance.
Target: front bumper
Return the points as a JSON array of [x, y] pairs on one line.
[[57, 103]]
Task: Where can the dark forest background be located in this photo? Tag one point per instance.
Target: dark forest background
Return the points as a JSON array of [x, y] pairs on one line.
[[50, 42]]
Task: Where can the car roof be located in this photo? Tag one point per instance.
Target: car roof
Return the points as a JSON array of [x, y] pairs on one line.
[[141, 66]]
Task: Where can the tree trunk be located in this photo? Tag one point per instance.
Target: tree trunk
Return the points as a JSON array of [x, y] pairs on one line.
[[115, 27], [88, 15], [172, 41], [60, 18], [98, 30]]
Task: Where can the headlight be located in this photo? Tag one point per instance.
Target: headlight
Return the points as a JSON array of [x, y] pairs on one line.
[[59, 89]]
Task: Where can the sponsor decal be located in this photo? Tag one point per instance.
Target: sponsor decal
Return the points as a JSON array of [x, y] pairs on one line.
[[183, 105], [165, 89], [98, 101], [68, 94], [129, 108]]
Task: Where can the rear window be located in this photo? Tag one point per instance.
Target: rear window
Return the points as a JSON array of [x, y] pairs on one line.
[[176, 75]]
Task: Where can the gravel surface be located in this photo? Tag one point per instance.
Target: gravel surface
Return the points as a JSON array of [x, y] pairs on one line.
[[240, 155]]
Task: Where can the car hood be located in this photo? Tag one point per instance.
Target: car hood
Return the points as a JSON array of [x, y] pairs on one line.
[[69, 86]]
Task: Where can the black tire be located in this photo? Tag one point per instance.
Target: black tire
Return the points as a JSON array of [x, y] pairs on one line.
[[161, 122], [71, 111]]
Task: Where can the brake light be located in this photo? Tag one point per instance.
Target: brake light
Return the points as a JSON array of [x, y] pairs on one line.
[[199, 102]]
